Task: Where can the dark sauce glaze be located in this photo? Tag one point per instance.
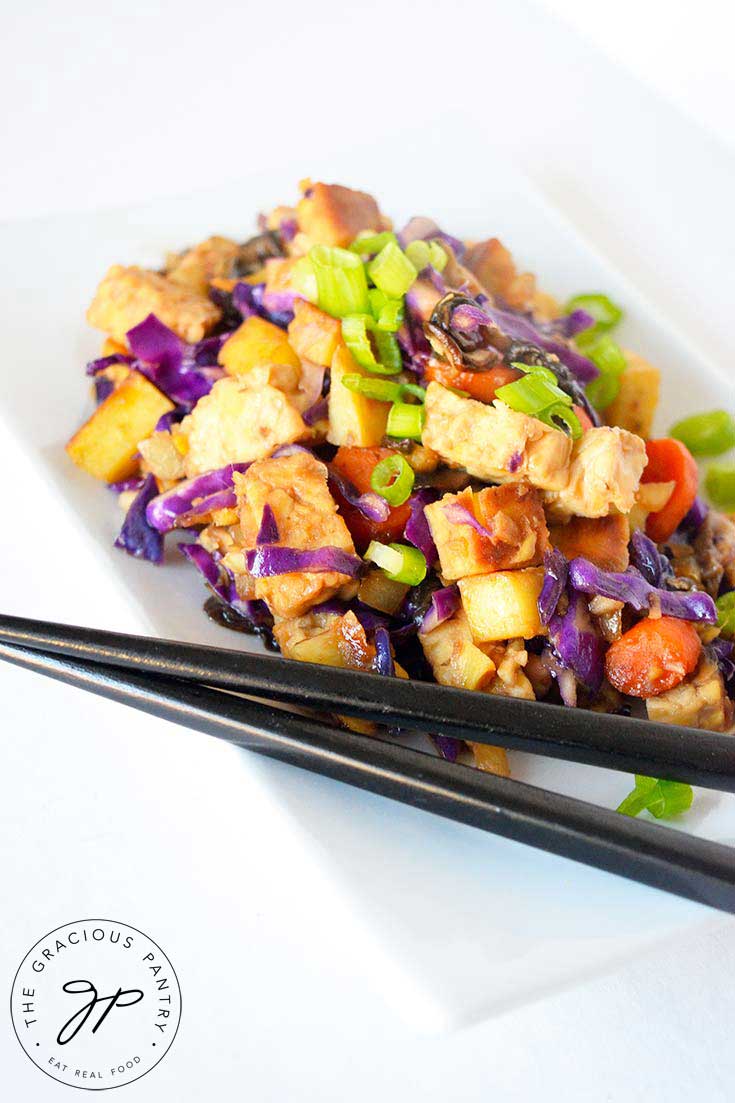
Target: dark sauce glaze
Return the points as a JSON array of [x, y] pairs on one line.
[[229, 618]]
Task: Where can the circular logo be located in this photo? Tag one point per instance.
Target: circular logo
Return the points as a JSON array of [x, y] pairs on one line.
[[95, 1004]]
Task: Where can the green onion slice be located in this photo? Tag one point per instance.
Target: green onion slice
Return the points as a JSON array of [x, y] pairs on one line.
[[726, 613], [720, 484], [425, 253], [535, 369], [388, 313], [381, 389], [419, 254], [303, 278], [438, 255], [609, 359], [373, 348], [414, 390], [406, 421], [567, 416], [392, 478], [532, 395], [708, 434], [400, 562], [392, 271], [368, 244], [341, 281], [606, 314], [660, 797]]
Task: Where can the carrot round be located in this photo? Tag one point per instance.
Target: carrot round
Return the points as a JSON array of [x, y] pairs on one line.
[[356, 464], [653, 656], [670, 461], [481, 385]]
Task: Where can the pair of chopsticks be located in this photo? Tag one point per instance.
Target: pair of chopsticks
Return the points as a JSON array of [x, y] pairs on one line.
[[181, 682]]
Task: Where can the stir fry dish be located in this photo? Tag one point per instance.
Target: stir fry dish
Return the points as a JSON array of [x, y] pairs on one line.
[[392, 451]]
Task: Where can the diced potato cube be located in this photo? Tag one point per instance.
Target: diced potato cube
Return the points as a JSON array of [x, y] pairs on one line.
[[255, 343], [313, 334], [162, 457], [126, 296], [493, 760], [602, 540], [353, 418], [454, 657], [330, 214], [106, 446], [503, 605], [635, 406], [114, 348], [292, 631], [514, 518]]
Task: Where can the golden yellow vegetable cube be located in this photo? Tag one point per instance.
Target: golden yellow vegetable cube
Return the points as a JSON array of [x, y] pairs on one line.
[[107, 444], [256, 342], [493, 760], [353, 418], [503, 605], [454, 657], [635, 406], [314, 334]]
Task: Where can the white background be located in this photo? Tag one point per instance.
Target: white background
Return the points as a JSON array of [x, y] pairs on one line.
[[622, 114]]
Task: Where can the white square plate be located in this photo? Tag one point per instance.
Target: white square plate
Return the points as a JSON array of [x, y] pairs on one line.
[[467, 924]]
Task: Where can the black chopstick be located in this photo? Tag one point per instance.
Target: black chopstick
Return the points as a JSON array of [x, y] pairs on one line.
[[597, 739], [663, 858]]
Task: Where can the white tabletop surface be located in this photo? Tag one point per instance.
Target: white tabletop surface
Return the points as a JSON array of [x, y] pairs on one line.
[[623, 123]]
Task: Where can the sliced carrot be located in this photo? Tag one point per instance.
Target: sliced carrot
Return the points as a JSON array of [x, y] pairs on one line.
[[481, 385], [356, 464], [584, 418], [670, 461], [653, 656]]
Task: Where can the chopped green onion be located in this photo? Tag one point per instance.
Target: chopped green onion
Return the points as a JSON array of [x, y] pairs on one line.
[[383, 556], [371, 387], [535, 369], [726, 613], [532, 395], [368, 244], [303, 278], [392, 271], [425, 253], [381, 389], [439, 258], [671, 798], [706, 434], [609, 359], [388, 313], [720, 484], [638, 798], [603, 310], [565, 415], [405, 421], [414, 390], [660, 797], [341, 281], [365, 340], [400, 562], [393, 478], [419, 254]]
